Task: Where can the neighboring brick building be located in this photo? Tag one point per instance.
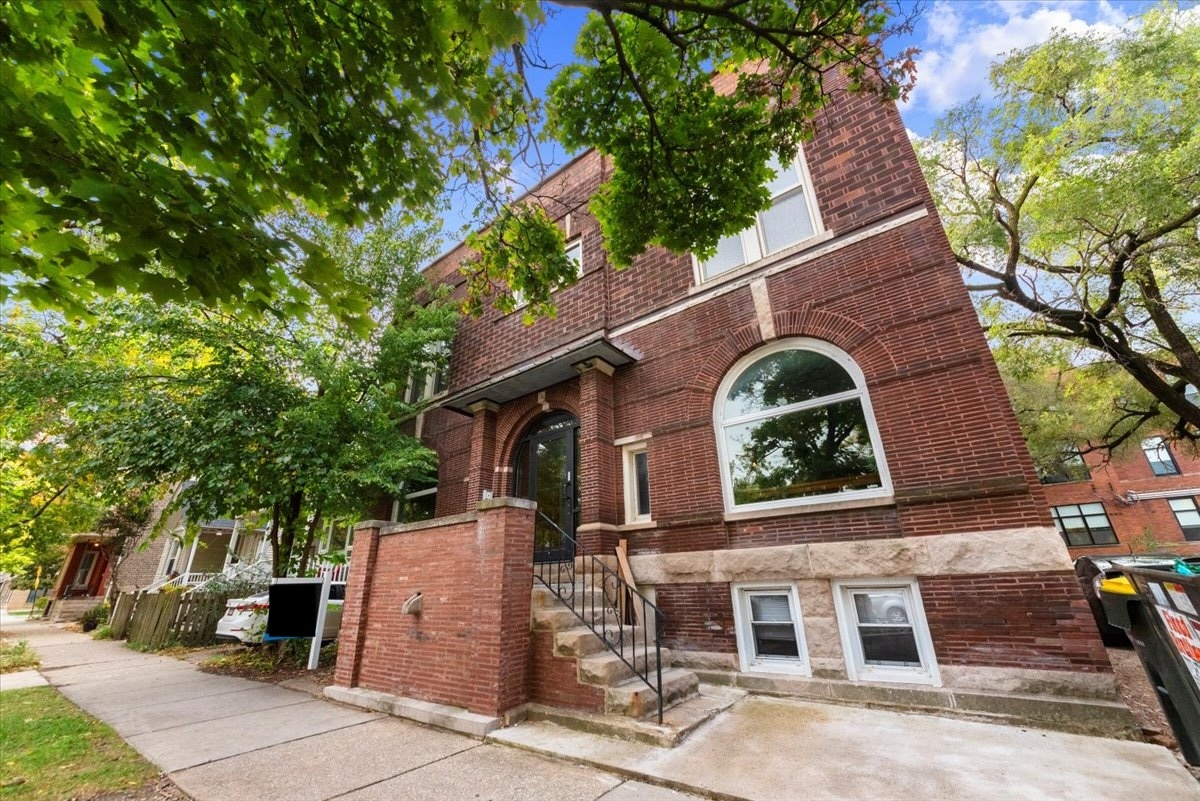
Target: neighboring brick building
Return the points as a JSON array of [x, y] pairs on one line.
[[1144, 500], [809, 452]]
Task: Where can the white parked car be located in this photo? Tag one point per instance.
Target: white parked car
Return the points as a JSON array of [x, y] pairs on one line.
[[245, 619]]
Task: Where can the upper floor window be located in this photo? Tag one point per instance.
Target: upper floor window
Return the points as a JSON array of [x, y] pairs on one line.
[[574, 252], [795, 426], [1159, 456], [1084, 524], [1187, 514], [789, 220], [433, 378], [1069, 466]]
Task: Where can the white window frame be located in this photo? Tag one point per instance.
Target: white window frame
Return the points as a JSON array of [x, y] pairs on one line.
[[884, 490], [417, 393], [1157, 452], [748, 662], [170, 556], [629, 454], [575, 245], [753, 243], [856, 667], [408, 496]]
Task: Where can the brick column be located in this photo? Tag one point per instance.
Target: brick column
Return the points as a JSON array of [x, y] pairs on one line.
[[504, 578], [353, 634], [599, 489], [482, 467]]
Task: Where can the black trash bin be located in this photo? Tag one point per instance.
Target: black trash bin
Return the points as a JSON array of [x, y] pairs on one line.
[[1160, 610]]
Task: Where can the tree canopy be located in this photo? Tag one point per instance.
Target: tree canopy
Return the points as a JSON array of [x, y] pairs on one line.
[[1073, 203], [299, 419], [147, 143]]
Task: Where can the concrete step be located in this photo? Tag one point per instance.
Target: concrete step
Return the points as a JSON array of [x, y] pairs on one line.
[[679, 720], [634, 699], [607, 669]]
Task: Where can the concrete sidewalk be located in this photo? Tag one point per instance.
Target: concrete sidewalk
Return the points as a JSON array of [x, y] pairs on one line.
[[226, 738]]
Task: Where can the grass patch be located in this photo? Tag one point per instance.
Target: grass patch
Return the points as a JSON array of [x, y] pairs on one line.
[[16, 656], [54, 750]]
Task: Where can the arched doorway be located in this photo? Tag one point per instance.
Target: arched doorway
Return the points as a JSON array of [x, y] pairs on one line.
[[546, 470]]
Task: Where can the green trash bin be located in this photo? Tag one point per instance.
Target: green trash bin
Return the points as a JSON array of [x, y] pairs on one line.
[[1160, 610]]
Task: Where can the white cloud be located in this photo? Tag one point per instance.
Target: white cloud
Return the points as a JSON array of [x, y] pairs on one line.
[[965, 38]]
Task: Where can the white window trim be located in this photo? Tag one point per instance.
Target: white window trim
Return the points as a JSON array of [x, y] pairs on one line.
[[748, 663], [753, 234], [1162, 455], [572, 244], [408, 496], [629, 465], [884, 490], [856, 667]]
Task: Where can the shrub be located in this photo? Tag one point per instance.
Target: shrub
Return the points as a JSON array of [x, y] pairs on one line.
[[94, 617], [104, 632]]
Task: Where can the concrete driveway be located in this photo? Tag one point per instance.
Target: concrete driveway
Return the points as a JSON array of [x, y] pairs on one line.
[[227, 738]]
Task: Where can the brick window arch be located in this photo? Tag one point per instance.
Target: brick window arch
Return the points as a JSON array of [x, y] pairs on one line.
[[795, 427]]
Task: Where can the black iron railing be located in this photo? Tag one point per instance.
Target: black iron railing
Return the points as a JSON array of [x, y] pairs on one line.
[[625, 620]]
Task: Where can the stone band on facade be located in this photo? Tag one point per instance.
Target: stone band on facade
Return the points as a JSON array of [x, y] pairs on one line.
[[1003, 551]]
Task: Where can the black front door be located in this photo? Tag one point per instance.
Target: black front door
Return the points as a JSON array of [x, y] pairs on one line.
[[546, 470]]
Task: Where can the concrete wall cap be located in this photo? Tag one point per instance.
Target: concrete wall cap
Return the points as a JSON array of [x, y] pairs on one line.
[[507, 501]]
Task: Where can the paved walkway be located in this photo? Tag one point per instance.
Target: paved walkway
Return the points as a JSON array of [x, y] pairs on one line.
[[223, 739]]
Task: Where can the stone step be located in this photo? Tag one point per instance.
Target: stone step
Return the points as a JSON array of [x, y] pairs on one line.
[[580, 597], [607, 669], [563, 618], [581, 640], [634, 699]]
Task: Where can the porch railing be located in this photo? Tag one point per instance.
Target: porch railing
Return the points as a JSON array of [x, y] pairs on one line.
[[610, 610], [258, 570], [182, 580]]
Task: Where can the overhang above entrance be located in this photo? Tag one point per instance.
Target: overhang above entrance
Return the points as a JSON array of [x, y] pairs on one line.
[[540, 372]]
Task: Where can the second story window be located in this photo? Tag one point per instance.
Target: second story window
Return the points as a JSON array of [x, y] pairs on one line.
[[1084, 524], [574, 252], [433, 379], [1159, 457], [790, 220]]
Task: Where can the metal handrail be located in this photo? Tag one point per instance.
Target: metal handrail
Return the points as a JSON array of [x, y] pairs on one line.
[[613, 623]]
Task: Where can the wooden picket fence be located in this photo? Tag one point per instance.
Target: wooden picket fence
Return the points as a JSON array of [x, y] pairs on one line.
[[155, 620]]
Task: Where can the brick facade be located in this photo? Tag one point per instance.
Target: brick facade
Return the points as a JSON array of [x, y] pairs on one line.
[[1132, 497], [965, 515], [469, 644]]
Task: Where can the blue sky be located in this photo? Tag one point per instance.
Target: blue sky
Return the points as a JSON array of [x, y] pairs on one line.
[[958, 40]]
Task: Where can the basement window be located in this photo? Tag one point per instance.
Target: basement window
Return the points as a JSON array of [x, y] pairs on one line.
[[884, 633], [769, 635]]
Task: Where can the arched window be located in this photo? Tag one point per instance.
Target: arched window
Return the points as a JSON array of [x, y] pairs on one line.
[[794, 426]]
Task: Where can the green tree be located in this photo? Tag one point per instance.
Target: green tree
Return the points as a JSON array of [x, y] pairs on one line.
[[1074, 200], [146, 144], [297, 419]]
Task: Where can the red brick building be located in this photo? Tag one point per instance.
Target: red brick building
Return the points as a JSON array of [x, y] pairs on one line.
[[1144, 500], [804, 441]]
